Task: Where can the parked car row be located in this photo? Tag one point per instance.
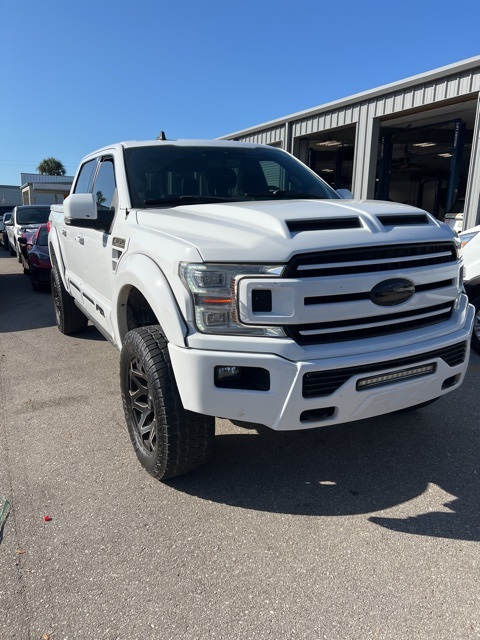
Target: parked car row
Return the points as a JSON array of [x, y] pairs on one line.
[[35, 257], [3, 229], [24, 218], [24, 232]]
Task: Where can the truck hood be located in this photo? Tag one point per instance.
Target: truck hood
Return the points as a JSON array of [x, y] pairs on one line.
[[273, 231]]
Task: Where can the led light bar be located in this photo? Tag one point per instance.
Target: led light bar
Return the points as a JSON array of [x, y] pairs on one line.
[[395, 376]]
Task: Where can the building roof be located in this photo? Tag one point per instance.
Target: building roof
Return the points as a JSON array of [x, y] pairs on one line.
[[39, 177]]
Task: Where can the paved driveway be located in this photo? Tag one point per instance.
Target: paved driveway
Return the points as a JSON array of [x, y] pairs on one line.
[[370, 530]]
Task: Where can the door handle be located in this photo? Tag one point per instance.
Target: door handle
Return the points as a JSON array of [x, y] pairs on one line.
[[80, 239]]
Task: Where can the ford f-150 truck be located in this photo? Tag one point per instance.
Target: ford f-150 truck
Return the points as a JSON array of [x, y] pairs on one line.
[[238, 284]]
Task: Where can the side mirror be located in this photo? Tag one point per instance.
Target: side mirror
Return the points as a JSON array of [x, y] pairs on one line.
[[23, 241], [79, 206], [9, 223], [345, 194]]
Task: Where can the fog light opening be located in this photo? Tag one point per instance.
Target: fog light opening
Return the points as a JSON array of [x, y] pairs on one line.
[[246, 378]]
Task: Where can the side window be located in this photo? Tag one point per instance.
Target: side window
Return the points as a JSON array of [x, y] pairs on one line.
[[85, 177], [104, 186]]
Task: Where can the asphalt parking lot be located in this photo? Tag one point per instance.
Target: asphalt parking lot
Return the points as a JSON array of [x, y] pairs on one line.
[[369, 530]]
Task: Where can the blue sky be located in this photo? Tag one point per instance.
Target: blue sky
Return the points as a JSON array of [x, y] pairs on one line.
[[77, 75]]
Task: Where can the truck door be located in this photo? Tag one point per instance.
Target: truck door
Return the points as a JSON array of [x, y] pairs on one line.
[[69, 234], [94, 248]]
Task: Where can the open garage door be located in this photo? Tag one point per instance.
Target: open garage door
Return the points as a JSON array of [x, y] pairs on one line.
[[425, 166]]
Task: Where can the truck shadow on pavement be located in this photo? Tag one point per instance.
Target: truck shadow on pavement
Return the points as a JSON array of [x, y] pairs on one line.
[[22, 309], [420, 466]]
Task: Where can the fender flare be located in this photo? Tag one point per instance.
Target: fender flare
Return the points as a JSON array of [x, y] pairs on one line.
[[142, 273]]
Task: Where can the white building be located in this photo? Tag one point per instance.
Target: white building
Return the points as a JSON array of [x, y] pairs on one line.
[[414, 141], [41, 189]]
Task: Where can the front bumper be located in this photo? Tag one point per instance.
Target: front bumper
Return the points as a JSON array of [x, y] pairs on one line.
[[284, 406]]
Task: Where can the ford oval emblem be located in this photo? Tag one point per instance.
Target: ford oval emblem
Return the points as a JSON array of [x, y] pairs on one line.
[[392, 292]]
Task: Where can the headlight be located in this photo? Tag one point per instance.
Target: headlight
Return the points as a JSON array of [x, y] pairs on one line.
[[466, 237], [214, 292]]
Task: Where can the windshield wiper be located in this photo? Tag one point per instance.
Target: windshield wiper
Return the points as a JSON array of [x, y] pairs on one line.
[[179, 200]]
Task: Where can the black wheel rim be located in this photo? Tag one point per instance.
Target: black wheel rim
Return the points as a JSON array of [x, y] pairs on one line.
[[141, 405]]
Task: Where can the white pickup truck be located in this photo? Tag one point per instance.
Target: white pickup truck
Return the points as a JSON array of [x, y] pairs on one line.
[[238, 284]]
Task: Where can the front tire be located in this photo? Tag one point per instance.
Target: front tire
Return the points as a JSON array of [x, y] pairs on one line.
[[476, 325], [168, 440], [69, 317]]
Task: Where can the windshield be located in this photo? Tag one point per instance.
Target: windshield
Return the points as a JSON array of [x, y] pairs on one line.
[[32, 215], [171, 175]]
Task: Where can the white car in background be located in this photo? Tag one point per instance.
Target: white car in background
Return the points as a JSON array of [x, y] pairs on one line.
[[25, 218], [471, 256]]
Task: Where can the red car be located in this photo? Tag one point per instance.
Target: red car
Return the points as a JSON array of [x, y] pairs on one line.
[[35, 257]]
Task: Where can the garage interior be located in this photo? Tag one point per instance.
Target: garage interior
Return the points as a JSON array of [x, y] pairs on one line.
[[423, 157]]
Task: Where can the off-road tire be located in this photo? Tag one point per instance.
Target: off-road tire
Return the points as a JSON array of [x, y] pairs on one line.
[[476, 325], [168, 440], [69, 317]]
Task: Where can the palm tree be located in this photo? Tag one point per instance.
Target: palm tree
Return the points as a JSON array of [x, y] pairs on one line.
[[51, 167]]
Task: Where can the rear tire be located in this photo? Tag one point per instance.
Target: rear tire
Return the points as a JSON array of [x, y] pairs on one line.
[[69, 317], [168, 440], [476, 325]]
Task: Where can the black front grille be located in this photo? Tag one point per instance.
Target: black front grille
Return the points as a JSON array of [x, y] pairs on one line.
[[323, 383], [405, 321], [365, 295], [370, 259]]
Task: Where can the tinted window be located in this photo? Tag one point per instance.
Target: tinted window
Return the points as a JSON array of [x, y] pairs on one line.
[[104, 187], [85, 177], [32, 215]]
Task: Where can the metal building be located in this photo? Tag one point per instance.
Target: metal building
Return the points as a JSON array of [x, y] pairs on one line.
[[414, 141], [44, 189]]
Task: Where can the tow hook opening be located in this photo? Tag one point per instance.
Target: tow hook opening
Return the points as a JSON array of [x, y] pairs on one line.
[[317, 415]]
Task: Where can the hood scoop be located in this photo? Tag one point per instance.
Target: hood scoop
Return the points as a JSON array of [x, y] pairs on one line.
[[323, 224], [403, 220]]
